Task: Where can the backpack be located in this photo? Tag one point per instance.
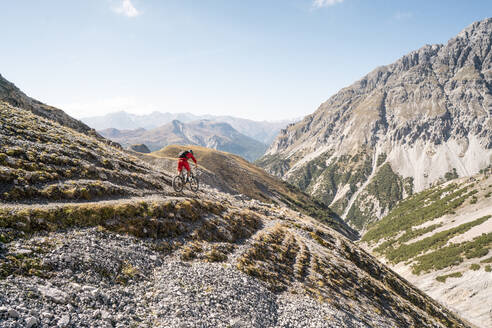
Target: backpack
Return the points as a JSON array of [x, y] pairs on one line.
[[183, 154]]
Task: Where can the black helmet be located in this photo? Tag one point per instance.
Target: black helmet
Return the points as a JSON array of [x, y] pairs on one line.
[[191, 151]]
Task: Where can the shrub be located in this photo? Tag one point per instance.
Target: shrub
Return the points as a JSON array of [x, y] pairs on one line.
[[451, 275], [475, 267]]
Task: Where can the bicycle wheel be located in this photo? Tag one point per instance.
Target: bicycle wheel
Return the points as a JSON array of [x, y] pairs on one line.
[[194, 183], [178, 183]]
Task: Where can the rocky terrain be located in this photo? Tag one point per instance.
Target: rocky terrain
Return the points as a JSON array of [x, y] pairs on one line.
[[262, 131], [440, 240], [195, 262], [401, 128], [132, 253], [210, 134]]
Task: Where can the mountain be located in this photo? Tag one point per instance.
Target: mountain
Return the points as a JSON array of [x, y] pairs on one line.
[[12, 95], [262, 131], [139, 148], [398, 130], [44, 161], [91, 235], [440, 240], [216, 135], [125, 121]]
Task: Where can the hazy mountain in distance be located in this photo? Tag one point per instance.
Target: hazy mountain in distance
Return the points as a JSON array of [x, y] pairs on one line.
[[206, 133], [126, 121], [263, 131]]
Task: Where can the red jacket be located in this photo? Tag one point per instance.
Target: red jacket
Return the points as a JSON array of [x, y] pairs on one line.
[[188, 156]]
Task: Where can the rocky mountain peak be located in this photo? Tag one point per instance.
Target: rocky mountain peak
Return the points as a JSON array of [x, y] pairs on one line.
[[425, 115]]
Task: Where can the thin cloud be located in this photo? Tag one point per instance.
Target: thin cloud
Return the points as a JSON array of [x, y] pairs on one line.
[[127, 9], [325, 3], [399, 15]]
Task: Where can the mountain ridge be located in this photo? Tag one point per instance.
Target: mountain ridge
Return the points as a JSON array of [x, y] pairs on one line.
[[263, 131], [12, 95]]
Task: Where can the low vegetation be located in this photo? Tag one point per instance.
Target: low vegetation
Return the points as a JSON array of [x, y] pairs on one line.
[[380, 195], [287, 261], [407, 251], [417, 209], [453, 254], [451, 275], [203, 226], [394, 237]]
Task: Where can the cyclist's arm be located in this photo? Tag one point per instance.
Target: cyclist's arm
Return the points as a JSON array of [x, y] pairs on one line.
[[193, 158]]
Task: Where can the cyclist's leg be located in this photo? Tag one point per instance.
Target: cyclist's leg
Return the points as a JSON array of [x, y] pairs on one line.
[[180, 166], [187, 167]]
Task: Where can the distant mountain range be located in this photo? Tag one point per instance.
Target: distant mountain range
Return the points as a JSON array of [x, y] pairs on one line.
[[206, 133], [263, 131]]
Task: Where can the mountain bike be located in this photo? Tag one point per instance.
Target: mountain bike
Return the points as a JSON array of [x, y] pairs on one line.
[[180, 181]]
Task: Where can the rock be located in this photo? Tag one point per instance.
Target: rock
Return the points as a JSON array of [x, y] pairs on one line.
[[31, 322], [54, 294], [64, 321], [23, 252], [13, 313]]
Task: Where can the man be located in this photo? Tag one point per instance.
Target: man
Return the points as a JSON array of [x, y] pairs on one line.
[[183, 161]]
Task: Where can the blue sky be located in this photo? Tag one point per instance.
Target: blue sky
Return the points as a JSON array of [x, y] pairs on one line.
[[258, 59]]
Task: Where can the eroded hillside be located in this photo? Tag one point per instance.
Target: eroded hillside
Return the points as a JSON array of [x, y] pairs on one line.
[[440, 239], [145, 262]]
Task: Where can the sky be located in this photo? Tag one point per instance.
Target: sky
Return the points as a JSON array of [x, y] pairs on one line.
[[256, 59]]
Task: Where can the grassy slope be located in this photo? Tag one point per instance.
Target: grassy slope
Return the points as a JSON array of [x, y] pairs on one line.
[[41, 159], [408, 232], [441, 239], [248, 179]]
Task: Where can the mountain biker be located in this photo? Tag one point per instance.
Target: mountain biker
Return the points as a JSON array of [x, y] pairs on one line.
[[183, 161]]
